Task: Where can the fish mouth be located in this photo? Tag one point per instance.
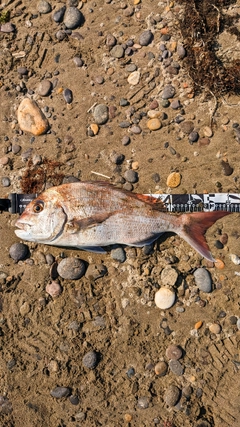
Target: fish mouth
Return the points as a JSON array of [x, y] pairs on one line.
[[24, 229]]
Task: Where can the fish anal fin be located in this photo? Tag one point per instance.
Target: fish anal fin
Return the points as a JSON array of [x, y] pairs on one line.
[[195, 225]]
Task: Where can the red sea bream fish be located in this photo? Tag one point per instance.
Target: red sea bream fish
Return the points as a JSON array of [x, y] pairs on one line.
[[90, 215]]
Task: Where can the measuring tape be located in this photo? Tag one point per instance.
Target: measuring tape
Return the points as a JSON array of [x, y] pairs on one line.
[[16, 203]]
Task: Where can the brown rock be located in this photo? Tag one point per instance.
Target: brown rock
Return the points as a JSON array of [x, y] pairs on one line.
[[31, 118], [187, 126]]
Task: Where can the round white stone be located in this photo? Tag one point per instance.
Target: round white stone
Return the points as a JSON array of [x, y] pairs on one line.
[[164, 298]]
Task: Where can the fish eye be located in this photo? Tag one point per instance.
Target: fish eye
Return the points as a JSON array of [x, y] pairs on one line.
[[38, 206]]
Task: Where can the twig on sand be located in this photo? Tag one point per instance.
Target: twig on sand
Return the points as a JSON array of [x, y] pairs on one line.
[[101, 174]]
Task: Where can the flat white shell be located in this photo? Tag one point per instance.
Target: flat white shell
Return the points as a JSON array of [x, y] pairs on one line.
[[164, 298]]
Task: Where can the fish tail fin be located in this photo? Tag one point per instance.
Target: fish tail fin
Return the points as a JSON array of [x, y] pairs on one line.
[[193, 228]]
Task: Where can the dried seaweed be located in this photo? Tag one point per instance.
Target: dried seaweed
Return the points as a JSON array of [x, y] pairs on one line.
[[202, 24], [35, 177]]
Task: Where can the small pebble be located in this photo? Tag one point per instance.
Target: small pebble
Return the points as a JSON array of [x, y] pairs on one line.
[[181, 51], [133, 78], [176, 367], [203, 141], [95, 271], [193, 136], [78, 61], [169, 276], [99, 80], [74, 400], [90, 360], [224, 238], [71, 268], [111, 40], [203, 280], [143, 402], [68, 96], [174, 180], [6, 181], [60, 35], [161, 369], [154, 124], [8, 27], [126, 140], [235, 259], [44, 88], [59, 392], [154, 104], [31, 118], [172, 395], [44, 7], [164, 298], [117, 51], [16, 148], [59, 14], [94, 128], [187, 126], [145, 38], [136, 129], [100, 114], [116, 158], [18, 251], [215, 328], [198, 324], [4, 161], [207, 132], [118, 254], [226, 168], [73, 18], [175, 104], [23, 71], [54, 289], [168, 92], [131, 176], [218, 244], [174, 352]]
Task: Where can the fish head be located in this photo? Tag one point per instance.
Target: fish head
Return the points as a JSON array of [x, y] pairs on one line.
[[43, 219]]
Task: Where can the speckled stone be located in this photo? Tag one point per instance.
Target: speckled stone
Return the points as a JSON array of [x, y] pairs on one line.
[[44, 7], [117, 51], [71, 268], [118, 254], [133, 78], [73, 18], [181, 51], [174, 352], [168, 92], [18, 251], [31, 118], [90, 360], [176, 367], [187, 126], [59, 14], [131, 176], [145, 38], [95, 271], [154, 124], [172, 395], [169, 276], [174, 180], [161, 369], [100, 114], [44, 88], [203, 280], [60, 392]]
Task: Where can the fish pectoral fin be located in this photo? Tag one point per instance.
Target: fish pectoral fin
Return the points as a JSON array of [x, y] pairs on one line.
[[96, 249], [81, 224]]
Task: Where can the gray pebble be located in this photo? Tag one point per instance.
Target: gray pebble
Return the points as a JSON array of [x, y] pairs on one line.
[[136, 129], [74, 400], [18, 251], [22, 70], [59, 392], [44, 7], [50, 259], [78, 61], [126, 140], [175, 104], [117, 51], [59, 14], [174, 352], [127, 186], [111, 40], [181, 51], [5, 405], [71, 268], [73, 18], [187, 391], [99, 80], [44, 88], [95, 271], [168, 92], [193, 136], [123, 102], [90, 360], [143, 402], [68, 96], [118, 254], [172, 395], [176, 367], [60, 35], [16, 148], [117, 158], [145, 38], [131, 176], [130, 68], [169, 276], [100, 114], [203, 280], [6, 181], [125, 124]]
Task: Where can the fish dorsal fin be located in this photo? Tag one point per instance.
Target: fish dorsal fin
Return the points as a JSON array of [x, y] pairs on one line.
[[153, 201]]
